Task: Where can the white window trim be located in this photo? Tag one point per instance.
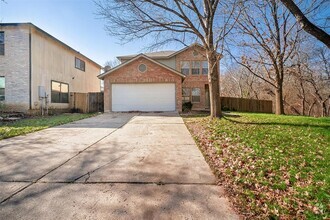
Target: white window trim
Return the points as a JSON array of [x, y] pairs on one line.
[[200, 94], [193, 68], [144, 70]]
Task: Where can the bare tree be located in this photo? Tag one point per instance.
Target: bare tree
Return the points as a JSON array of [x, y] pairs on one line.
[[268, 38], [310, 69], [320, 84], [301, 86], [318, 77], [297, 85], [324, 55], [306, 24], [204, 21], [111, 64], [236, 81]]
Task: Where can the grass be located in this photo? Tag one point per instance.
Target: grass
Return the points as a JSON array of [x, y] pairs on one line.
[[24, 126], [275, 167]]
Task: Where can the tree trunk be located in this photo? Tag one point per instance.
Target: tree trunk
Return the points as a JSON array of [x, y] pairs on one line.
[[303, 99], [324, 108], [213, 78], [311, 108], [279, 107], [303, 106]]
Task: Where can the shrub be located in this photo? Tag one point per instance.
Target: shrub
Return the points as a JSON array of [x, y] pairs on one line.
[[186, 106], [225, 108]]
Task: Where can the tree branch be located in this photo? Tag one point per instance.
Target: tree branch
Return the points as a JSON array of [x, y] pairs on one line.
[[305, 24]]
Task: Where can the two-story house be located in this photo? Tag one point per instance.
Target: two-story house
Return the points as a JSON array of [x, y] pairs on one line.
[[158, 81], [36, 68]]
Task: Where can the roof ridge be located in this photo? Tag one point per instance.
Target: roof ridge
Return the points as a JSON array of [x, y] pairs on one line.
[[101, 76], [29, 24], [161, 53], [169, 55]]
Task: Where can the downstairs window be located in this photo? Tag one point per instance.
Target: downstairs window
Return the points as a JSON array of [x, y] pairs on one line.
[[185, 95], [195, 95], [60, 92]]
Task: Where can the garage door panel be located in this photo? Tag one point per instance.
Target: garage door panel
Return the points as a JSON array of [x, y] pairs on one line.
[[143, 97]]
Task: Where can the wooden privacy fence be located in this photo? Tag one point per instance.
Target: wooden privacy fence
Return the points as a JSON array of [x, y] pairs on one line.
[[246, 105], [94, 102], [86, 102]]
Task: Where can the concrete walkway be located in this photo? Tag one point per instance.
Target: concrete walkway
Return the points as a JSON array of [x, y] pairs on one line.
[[113, 166]]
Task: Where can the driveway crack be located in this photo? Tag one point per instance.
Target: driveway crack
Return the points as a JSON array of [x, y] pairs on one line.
[[88, 176], [100, 167], [63, 163]]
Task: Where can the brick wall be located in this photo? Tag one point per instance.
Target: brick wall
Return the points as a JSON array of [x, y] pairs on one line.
[[153, 74], [14, 66], [194, 81]]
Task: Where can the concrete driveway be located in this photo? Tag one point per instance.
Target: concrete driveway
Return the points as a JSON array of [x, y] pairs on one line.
[[113, 166]]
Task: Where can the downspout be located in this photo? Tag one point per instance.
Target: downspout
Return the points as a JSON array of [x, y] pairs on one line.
[[30, 71]]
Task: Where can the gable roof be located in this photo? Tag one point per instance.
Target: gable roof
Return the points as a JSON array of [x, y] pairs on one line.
[[161, 54], [48, 35], [166, 54], [186, 48], [101, 76]]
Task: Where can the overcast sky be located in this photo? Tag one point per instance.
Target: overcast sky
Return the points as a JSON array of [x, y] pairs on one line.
[[72, 21]]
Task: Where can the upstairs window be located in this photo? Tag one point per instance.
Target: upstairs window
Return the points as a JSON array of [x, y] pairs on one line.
[[60, 92], [79, 64], [2, 43], [196, 65], [185, 67], [2, 88], [205, 68]]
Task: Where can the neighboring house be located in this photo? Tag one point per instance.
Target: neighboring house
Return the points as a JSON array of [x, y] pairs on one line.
[[35, 65], [158, 81]]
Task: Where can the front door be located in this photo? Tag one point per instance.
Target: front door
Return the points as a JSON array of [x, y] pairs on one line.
[[207, 96]]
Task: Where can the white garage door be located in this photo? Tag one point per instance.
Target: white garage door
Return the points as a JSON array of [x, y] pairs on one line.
[[143, 97]]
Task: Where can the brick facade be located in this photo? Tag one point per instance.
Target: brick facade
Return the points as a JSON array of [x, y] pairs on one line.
[[194, 81], [14, 66], [130, 74]]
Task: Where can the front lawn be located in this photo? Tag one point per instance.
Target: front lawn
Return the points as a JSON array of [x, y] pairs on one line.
[[274, 167], [24, 126]]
